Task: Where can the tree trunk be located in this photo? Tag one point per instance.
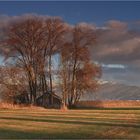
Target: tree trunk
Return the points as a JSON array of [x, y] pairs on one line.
[[50, 78]]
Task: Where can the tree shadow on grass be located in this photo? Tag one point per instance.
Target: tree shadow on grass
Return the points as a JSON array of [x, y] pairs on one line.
[[133, 125], [25, 134]]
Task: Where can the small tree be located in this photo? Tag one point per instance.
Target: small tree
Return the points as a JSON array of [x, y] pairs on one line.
[[13, 84], [87, 79]]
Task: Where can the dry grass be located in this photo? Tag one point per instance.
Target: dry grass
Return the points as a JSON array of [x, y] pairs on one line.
[[4, 105], [36, 123], [109, 104]]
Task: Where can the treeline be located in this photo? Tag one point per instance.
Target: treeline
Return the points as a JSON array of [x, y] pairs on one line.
[[30, 45]]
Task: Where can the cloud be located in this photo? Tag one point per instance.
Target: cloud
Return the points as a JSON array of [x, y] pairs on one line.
[[5, 20], [113, 66], [117, 25], [125, 76], [87, 25], [120, 45], [116, 41], [117, 47]]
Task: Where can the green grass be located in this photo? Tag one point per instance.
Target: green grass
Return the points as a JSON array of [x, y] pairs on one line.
[[98, 123]]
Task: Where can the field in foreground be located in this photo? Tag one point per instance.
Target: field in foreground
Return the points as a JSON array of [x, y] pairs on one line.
[[41, 123]]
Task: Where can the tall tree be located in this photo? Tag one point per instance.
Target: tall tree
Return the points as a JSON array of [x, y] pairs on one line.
[[26, 40], [34, 41], [56, 29], [74, 57]]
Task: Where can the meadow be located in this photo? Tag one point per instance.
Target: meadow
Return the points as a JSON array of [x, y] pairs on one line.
[[27, 123]]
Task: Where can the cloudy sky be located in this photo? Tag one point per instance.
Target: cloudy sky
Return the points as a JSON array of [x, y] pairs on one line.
[[117, 27]]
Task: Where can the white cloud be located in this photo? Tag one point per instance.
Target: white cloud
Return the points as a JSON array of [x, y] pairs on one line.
[[114, 66]]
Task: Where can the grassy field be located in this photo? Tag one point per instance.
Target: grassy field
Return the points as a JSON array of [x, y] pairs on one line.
[[41, 123], [109, 103]]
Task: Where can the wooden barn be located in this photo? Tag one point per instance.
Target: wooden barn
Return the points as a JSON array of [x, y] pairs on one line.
[[49, 100]]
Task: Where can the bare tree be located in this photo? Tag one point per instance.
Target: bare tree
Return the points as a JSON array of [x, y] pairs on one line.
[[26, 40], [74, 57], [56, 29], [13, 84], [33, 42]]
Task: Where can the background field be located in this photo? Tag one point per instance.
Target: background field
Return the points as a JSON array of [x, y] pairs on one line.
[[42, 123], [109, 104]]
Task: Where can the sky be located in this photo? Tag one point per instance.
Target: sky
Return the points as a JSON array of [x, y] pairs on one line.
[[73, 12], [117, 26]]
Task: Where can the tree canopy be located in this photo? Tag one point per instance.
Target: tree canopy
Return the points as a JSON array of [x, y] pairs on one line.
[[33, 43]]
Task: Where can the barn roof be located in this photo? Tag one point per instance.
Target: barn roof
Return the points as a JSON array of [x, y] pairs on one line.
[[51, 94]]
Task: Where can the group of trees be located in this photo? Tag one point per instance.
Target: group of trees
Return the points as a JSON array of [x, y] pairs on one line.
[[32, 45]]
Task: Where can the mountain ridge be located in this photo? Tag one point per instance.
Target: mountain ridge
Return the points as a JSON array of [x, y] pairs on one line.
[[114, 91]]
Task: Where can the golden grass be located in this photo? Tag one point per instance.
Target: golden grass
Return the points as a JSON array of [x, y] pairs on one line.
[[5, 105], [109, 104], [39, 123]]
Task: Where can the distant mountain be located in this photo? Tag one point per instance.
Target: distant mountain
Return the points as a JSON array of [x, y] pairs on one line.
[[114, 91]]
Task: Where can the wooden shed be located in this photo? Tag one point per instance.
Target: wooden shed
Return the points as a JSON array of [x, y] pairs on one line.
[[49, 100]]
